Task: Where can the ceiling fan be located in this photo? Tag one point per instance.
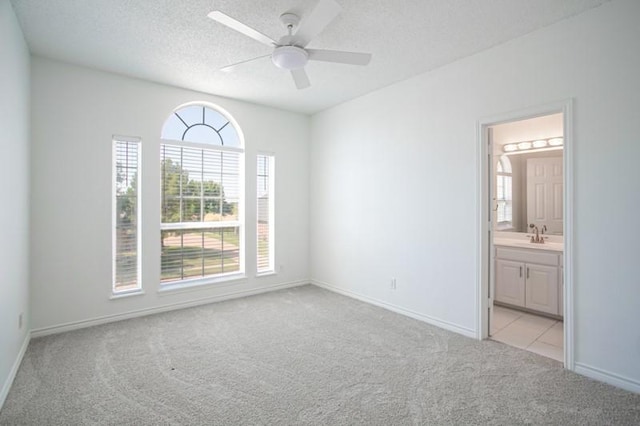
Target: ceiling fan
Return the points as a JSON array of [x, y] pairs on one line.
[[290, 52]]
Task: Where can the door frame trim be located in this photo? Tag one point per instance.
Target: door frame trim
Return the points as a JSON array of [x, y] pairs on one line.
[[484, 245]]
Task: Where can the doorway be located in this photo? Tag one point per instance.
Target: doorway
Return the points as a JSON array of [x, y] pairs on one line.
[[525, 269]]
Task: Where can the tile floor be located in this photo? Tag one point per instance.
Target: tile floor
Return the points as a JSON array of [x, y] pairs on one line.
[[541, 335]]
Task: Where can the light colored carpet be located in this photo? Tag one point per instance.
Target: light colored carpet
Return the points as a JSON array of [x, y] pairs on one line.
[[299, 356]]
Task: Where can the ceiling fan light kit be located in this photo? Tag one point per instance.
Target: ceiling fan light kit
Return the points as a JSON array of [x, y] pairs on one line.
[[290, 52], [290, 57]]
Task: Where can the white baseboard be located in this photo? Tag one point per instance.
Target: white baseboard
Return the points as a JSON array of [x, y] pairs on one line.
[[400, 310], [61, 328], [607, 377], [14, 370]]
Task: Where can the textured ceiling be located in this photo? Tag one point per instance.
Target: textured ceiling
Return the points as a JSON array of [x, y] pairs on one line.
[[173, 41]]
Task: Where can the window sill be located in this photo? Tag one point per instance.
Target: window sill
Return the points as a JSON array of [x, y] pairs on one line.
[[125, 294], [201, 283], [265, 274]]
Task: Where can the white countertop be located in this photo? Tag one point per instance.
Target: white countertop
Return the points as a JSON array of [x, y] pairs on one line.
[[525, 243]]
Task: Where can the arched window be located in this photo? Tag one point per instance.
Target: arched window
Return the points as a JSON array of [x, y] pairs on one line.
[[504, 212], [201, 159], [201, 124]]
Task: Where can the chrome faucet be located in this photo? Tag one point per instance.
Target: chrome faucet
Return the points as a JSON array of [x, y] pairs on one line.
[[537, 239]]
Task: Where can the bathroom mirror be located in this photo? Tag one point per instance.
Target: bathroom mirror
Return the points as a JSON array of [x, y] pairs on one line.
[[528, 175]]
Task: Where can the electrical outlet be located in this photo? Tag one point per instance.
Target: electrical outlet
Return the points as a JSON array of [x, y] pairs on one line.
[[281, 268], [392, 286], [20, 321]]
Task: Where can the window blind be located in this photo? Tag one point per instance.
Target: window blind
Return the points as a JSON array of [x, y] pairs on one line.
[[265, 211], [200, 228], [126, 270]]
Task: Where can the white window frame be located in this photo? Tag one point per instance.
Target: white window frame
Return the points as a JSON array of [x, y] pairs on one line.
[[271, 159], [502, 174], [114, 219], [239, 223]]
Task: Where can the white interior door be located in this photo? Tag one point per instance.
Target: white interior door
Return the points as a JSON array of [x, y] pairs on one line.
[[544, 193], [493, 213]]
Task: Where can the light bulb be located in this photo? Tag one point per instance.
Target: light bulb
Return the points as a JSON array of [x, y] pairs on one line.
[[524, 145]]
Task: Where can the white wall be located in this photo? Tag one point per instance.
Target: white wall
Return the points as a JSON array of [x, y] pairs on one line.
[[14, 213], [75, 113], [393, 181]]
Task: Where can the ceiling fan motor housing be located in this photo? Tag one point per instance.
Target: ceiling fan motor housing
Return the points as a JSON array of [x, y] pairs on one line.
[[290, 57]]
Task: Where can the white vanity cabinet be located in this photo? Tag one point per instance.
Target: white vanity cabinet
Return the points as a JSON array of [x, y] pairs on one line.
[[529, 278]]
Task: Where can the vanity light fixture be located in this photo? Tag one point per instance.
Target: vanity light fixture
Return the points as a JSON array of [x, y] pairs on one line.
[[533, 146], [524, 145]]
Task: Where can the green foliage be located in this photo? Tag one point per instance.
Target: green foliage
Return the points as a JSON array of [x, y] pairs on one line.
[[194, 193], [126, 198], [172, 177], [126, 228]]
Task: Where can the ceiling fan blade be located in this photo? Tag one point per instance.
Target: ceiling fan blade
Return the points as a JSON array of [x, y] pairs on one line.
[[232, 67], [227, 20], [301, 78], [340, 57], [324, 12]]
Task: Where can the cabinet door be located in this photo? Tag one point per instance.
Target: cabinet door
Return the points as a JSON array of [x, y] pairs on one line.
[[542, 288], [510, 282]]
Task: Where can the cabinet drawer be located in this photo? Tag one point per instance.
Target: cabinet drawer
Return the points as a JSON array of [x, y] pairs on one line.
[[529, 256]]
